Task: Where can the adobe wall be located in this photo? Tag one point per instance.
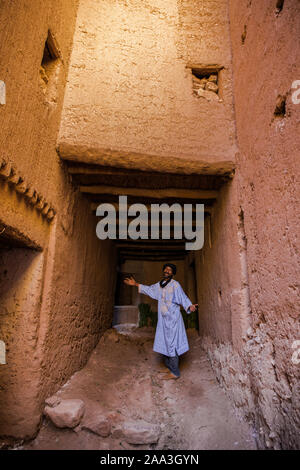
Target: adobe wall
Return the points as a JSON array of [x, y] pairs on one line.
[[259, 216], [66, 281], [21, 278], [130, 89], [218, 268]]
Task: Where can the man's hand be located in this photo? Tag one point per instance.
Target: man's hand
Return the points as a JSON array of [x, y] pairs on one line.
[[130, 281], [193, 307]]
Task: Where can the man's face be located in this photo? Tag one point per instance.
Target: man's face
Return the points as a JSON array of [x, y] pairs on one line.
[[168, 271]]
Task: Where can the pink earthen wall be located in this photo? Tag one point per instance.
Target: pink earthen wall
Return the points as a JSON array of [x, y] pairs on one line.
[[258, 226], [21, 277], [218, 269], [62, 300]]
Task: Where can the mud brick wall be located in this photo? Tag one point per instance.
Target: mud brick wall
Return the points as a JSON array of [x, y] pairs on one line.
[[56, 297], [137, 58], [253, 356]]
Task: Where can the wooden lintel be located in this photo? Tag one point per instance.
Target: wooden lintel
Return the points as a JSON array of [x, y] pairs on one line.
[[162, 260], [149, 250], [94, 205], [150, 241], [154, 255], [130, 247], [153, 193], [188, 165]]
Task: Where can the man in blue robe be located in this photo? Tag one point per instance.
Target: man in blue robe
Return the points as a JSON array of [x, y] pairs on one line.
[[170, 336]]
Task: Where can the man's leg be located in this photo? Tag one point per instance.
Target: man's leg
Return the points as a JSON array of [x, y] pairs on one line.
[[173, 363], [164, 368], [166, 361]]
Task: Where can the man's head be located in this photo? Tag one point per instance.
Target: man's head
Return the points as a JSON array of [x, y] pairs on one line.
[[169, 270]]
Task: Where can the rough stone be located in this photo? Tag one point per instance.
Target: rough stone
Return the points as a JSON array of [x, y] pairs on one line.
[[213, 78], [211, 86], [208, 95], [137, 432], [98, 424], [52, 401], [67, 414]]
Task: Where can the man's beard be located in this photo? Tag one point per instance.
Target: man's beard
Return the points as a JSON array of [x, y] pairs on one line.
[[165, 280]]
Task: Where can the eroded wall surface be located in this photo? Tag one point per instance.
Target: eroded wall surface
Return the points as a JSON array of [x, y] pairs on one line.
[[130, 83], [218, 268], [55, 305], [256, 365], [21, 277]]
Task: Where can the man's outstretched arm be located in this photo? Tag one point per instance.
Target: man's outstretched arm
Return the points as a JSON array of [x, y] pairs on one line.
[[130, 281], [182, 299], [152, 291]]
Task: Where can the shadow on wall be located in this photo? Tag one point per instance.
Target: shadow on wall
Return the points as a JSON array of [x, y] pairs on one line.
[[21, 271]]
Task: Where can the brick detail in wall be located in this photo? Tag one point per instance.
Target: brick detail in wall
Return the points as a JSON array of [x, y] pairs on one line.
[[31, 196]]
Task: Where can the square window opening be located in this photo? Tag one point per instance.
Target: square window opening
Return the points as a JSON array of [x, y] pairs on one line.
[[50, 61], [206, 78]]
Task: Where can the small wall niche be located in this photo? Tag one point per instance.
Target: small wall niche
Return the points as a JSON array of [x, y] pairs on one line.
[[279, 6], [244, 34], [206, 81], [280, 109], [219, 297], [51, 61]]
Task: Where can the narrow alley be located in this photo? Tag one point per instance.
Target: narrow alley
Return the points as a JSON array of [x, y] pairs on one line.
[[135, 133], [127, 405]]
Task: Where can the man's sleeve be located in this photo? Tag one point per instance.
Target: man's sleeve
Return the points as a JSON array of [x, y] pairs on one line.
[[152, 291], [182, 298]]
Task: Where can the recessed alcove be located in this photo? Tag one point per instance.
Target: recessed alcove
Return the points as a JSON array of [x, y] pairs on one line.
[[50, 66], [206, 81]]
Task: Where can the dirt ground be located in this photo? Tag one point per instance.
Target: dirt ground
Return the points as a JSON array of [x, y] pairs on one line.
[[122, 379]]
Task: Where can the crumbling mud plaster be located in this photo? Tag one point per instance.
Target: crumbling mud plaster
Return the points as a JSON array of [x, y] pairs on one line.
[[73, 320], [137, 59], [56, 298], [21, 274], [254, 363]]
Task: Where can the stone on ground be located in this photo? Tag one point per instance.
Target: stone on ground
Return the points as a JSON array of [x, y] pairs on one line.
[[98, 424], [67, 414], [52, 401], [138, 432]]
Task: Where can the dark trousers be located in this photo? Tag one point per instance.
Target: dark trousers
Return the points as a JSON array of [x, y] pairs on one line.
[[172, 363]]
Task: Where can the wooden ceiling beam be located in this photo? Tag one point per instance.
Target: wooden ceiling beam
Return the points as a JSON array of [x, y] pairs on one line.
[[202, 164], [130, 247], [147, 258], [153, 193], [150, 241], [94, 205]]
